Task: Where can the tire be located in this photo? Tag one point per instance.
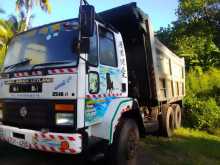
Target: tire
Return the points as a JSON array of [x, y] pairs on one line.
[[167, 121], [123, 151], [177, 115]]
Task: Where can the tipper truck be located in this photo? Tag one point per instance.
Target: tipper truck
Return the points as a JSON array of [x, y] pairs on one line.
[[98, 79]]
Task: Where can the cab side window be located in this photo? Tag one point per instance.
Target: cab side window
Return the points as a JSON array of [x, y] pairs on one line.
[[93, 51], [107, 51]]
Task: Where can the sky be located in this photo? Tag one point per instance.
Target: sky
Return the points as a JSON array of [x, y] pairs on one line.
[[161, 12]]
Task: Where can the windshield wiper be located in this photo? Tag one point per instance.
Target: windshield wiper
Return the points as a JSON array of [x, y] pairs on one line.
[[24, 62], [51, 63]]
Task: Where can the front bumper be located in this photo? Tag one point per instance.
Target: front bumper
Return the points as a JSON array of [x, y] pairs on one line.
[[49, 142]]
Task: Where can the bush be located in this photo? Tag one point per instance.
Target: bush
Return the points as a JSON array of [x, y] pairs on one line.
[[201, 114], [202, 102]]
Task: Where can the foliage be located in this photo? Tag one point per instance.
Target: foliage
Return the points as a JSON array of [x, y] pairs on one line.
[[29, 4], [202, 114], [8, 28], [202, 102], [6, 33], [16, 24], [201, 16], [25, 7], [2, 54], [195, 35]]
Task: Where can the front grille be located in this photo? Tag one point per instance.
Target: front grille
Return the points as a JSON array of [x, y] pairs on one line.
[[40, 115]]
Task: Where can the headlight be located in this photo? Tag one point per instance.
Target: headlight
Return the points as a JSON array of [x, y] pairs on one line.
[[64, 119]]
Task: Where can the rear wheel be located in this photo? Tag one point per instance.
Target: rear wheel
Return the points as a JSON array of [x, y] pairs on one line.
[[124, 148], [167, 123], [177, 115]]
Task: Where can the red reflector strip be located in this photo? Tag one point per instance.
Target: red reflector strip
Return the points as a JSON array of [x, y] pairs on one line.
[[61, 137], [21, 74], [37, 73], [72, 151], [62, 71], [71, 138], [26, 74], [95, 96]]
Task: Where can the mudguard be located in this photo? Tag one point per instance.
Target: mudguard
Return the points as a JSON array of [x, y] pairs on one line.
[[106, 128]]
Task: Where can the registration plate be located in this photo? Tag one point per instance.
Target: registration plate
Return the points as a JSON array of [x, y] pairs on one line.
[[19, 142]]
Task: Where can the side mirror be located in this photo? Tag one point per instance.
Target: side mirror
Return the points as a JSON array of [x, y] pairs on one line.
[[87, 20]]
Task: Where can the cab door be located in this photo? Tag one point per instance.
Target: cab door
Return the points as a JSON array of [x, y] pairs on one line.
[[104, 79], [93, 80]]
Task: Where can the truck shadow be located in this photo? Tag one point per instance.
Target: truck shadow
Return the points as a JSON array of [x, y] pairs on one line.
[[10, 155]]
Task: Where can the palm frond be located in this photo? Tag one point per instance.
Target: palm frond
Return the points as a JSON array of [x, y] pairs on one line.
[[19, 4], [14, 23], [45, 6]]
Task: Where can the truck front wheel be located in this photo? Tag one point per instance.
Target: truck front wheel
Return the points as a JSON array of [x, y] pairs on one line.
[[124, 148]]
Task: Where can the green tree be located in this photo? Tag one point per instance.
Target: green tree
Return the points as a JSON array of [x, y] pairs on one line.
[[27, 6], [195, 35], [8, 28], [201, 17], [5, 34]]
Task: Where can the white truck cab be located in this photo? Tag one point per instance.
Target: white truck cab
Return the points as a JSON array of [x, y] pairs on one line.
[[67, 84]]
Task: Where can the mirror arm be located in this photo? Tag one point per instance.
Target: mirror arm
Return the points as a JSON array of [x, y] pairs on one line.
[[86, 61]]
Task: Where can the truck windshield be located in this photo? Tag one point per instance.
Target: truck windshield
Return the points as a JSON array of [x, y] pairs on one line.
[[47, 44]]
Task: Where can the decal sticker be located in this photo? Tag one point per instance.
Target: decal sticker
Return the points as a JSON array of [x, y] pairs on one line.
[[31, 33], [56, 27], [49, 37], [63, 83], [109, 80], [47, 142], [55, 34], [69, 26], [123, 61], [29, 81], [110, 84], [96, 109], [44, 31]]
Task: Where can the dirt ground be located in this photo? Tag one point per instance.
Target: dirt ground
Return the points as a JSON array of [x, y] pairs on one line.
[[11, 155]]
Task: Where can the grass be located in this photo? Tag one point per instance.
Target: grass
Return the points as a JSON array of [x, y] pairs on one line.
[[187, 147]]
